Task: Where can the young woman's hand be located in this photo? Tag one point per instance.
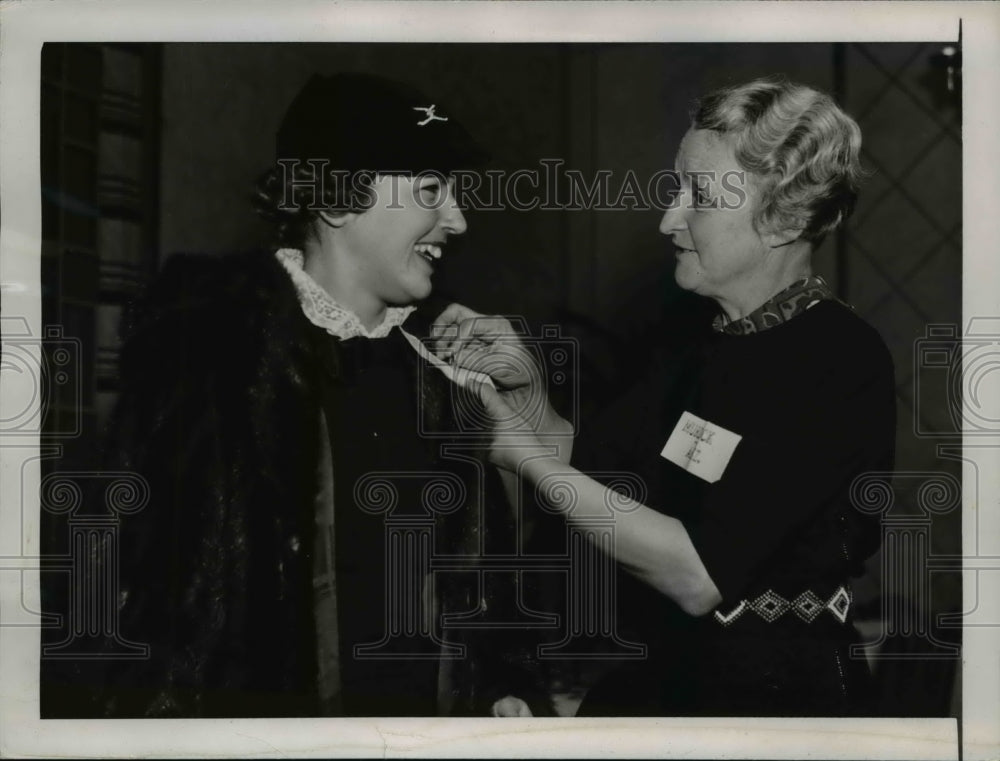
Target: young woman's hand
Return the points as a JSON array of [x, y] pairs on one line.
[[511, 707]]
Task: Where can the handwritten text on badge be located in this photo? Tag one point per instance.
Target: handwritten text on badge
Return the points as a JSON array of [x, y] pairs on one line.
[[701, 448]]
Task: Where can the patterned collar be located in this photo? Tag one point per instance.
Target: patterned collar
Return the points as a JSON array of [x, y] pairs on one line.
[[791, 302], [321, 309]]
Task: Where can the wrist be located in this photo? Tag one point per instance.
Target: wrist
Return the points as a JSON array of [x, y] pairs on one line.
[[534, 468], [553, 423]]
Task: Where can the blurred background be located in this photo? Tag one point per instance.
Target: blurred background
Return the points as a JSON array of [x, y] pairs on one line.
[[150, 150]]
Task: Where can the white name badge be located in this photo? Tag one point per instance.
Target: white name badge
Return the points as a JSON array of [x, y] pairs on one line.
[[701, 448]]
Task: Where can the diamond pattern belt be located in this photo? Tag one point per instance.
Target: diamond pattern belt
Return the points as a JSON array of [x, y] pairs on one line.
[[771, 606]]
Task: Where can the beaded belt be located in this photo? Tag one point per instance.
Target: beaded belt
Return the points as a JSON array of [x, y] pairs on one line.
[[771, 606]]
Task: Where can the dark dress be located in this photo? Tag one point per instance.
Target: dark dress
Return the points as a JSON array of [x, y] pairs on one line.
[[812, 397], [371, 416]]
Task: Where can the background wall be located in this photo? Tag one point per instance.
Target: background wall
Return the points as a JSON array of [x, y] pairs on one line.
[[901, 260]]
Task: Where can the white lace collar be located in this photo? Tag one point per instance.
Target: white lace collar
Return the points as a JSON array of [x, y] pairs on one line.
[[321, 309]]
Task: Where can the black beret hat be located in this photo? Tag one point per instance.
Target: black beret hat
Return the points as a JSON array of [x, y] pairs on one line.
[[363, 122]]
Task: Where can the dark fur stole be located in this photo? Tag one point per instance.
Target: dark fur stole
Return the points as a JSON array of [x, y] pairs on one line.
[[219, 411]]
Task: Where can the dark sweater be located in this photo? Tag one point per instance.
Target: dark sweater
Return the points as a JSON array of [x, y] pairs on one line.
[[813, 400]]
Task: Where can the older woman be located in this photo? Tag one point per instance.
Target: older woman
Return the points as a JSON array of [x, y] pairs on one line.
[[745, 540]]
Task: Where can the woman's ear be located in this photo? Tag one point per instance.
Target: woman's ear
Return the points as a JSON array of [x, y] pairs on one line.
[[335, 218], [784, 237]]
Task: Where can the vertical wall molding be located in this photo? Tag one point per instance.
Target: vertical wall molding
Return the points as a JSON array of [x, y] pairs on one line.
[[100, 114], [580, 120]]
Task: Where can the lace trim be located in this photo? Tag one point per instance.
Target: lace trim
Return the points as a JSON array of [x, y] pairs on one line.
[[323, 312]]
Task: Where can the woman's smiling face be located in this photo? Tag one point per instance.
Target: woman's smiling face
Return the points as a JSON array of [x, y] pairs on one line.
[[394, 245], [718, 247]]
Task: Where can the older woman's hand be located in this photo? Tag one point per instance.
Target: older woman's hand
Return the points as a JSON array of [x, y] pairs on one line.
[[519, 404], [486, 344], [514, 438], [511, 707], [491, 345]]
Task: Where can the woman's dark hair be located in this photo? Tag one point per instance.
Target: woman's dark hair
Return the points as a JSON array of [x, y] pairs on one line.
[[290, 195]]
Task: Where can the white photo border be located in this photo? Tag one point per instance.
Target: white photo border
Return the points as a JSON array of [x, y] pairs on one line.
[[26, 26]]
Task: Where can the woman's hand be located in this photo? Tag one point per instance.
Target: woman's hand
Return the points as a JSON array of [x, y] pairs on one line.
[[492, 346], [511, 707], [514, 438], [488, 345]]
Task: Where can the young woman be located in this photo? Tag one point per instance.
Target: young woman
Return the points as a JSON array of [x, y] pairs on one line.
[[277, 407]]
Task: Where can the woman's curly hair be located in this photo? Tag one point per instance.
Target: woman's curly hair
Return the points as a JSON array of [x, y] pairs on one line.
[[800, 147], [290, 194]]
